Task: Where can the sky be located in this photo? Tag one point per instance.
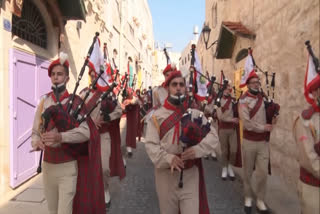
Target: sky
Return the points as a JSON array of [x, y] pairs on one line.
[[173, 21]]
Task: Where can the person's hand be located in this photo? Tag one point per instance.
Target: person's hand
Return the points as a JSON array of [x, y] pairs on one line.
[[177, 164], [39, 145], [274, 120], [98, 123], [188, 154], [126, 102], [268, 127], [235, 120], [52, 137]]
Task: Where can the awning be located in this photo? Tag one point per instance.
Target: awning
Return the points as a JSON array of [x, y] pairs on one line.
[[72, 9], [228, 36]]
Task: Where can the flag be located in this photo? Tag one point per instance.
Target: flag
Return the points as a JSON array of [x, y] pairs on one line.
[[130, 74], [200, 80], [96, 63], [311, 80], [249, 70]]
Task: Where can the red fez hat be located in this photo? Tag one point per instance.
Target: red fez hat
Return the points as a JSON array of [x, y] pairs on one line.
[[170, 67], [173, 75], [62, 60], [252, 75]]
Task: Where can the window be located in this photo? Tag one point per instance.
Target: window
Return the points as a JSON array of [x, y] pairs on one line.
[[214, 14], [30, 26]]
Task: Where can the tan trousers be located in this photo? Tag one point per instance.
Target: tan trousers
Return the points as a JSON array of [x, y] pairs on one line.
[[123, 134], [228, 139], [105, 158], [309, 198], [255, 153], [171, 197], [59, 182]]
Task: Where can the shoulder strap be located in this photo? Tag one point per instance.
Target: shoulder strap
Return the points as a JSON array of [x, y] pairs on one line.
[[93, 100], [256, 107], [170, 122], [226, 105]]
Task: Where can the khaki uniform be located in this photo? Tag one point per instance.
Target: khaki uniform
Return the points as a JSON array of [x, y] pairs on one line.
[[161, 152], [59, 180], [254, 153], [227, 136], [159, 94], [105, 138], [307, 134]]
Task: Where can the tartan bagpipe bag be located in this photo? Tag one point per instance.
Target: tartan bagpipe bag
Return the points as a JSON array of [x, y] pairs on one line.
[[56, 116], [193, 131]]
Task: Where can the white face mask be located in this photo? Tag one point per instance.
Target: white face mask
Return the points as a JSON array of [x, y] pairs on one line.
[[59, 88]]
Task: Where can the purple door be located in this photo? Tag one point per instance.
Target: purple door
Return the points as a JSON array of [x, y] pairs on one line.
[[28, 82]]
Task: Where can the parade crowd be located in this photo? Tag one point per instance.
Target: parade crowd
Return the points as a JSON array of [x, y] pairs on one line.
[[85, 138]]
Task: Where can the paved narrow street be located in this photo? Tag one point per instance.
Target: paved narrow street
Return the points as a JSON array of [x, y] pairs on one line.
[[136, 193]]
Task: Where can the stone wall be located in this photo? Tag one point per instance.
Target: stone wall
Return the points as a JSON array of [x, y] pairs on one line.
[[281, 28]]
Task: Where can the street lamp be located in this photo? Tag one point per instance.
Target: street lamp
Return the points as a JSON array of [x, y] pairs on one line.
[[206, 35]]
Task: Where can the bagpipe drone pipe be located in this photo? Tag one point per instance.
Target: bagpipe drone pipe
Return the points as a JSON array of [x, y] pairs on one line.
[[272, 108]]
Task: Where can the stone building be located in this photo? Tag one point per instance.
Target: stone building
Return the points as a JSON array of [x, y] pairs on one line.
[[276, 31], [31, 36], [160, 62]]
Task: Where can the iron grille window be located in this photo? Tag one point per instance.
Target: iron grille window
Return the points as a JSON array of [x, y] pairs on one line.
[[30, 26]]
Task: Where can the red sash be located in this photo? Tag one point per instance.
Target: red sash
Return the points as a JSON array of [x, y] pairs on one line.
[[93, 100], [226, 105], [256, 107], [173, 120]]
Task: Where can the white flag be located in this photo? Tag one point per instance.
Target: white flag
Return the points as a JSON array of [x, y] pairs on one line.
[[248, 70], [311, 78], [96, 63]]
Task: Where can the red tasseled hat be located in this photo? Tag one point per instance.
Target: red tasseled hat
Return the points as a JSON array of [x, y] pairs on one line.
[[62, 60], [170, 67], [252, 75], [173, 75]]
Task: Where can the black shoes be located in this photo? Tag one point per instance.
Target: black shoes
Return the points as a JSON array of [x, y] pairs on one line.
[[108, 205]]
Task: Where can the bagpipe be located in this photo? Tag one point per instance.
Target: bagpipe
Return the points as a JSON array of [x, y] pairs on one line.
[[272, 108], [74, 112], [193, 130]]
